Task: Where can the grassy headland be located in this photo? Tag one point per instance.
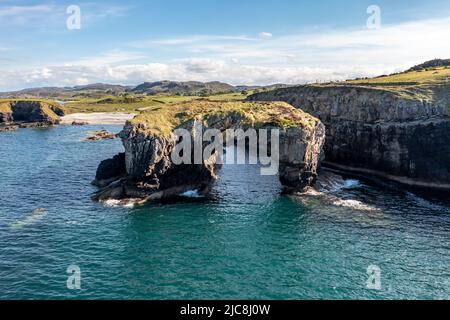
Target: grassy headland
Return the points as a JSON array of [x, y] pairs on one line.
[[48, 109], [162, 120]]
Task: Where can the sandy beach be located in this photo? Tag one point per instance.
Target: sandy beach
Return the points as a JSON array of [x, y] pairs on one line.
[[97, 118]]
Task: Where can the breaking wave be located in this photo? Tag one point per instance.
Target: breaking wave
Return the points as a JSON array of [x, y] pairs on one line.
[[354, 204], [334, 190], [191, 194], [128, 203]]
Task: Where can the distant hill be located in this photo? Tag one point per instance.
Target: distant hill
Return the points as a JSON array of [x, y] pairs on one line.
[[90, 90], [100, 90], [431, 64], [48, 92], [102, 87], [269, 87], [183, 88]]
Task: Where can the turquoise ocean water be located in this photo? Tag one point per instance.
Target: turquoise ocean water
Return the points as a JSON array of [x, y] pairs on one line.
[[245, 241]]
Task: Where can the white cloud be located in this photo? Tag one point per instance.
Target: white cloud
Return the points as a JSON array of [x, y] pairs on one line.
[[296, 58], [193, 40], [109, 58], [199, 70], [14, 11], [392, 46], [265, 35], [49, 16], [204, 65]]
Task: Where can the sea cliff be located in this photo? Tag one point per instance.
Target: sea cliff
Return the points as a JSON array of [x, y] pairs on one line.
[[386, 126]]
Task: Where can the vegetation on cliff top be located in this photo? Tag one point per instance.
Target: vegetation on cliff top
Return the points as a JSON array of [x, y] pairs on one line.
[[5, 107], [420, 82], [162, 120]]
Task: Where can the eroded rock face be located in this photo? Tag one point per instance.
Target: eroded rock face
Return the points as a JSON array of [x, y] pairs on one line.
[[301, 152], [377, 132], [151, 174], [110, 170], [149, 171], [6, 117], [29, 112]]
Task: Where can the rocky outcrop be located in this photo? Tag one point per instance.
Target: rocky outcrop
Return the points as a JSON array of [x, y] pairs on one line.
[[101, 135], [6, 116], [301, 153], [26, 114], [151, 173], [378, 132], [110, 170]]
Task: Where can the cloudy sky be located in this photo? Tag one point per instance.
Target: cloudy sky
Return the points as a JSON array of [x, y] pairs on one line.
[[235, 41]]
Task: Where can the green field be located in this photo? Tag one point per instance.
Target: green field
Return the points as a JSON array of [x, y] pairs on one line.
[[137, 103]]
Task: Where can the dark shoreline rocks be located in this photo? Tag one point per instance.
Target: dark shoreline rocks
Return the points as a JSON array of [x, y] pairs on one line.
[[110, 170], [14, 126], [79, 123], [8, 127], [101, 135]]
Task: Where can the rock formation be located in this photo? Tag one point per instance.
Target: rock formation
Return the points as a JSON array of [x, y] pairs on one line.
[[386, 132], [24, 114], [149, 140], [101, 135]]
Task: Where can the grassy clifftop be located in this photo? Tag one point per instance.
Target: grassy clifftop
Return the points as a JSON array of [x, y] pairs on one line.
[[425, 83], [162, 120], [5, 107]]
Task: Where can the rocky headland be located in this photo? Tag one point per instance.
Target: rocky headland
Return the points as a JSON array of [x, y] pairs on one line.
[[16, 114], [396, 127], [145, 172]]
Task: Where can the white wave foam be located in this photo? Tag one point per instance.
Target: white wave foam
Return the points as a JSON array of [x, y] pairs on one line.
[[191, 194], [354, 204], [312, 192], [129, 203], [331, 182], [351, 183]]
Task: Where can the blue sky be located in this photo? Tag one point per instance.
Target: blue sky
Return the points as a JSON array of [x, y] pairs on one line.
[[240, 42]]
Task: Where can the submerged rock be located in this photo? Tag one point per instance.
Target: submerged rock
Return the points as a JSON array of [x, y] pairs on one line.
[[29, 220], [149, 141]]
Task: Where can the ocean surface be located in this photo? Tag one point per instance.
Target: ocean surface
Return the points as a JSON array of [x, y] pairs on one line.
[[244, 241]]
